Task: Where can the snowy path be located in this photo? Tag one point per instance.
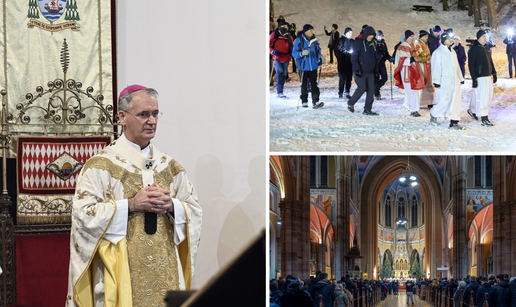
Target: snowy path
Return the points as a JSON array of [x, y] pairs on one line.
[[334, 128]]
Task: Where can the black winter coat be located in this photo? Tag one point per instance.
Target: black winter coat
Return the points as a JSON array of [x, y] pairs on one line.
[[327, 291], [480, 62], [296, 299], [433, 42], [512, 289], [364, 53], [343, 53], [450, 289], [481, 293], [382, 52], [410, 286], [334, 38], [351, 287], [461, 57], [511, 45], [471, 287], [501, 295]]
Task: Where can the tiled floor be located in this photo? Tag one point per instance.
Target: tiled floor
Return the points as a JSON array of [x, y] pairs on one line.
[[400, 300]]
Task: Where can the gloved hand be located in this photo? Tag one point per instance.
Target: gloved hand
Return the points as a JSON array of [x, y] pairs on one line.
[[319, 62], [322, 59], [475, 83], [437, 85], [305, 52], [495, 78], [358, 73], [275, 52]]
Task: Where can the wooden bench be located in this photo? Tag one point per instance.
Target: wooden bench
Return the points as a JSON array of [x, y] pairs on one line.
[[422, 8]]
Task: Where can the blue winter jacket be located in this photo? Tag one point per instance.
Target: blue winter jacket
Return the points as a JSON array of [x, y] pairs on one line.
[[309, 62], [364, 53]]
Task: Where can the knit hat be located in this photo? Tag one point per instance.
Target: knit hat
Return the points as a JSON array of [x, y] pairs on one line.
[[446, 35], [379, 33], [282, 23], [307, 27], [462, 284], [422, 33], [408, 34], [347, 30], [481, 33], [130, 89], [436, 28]]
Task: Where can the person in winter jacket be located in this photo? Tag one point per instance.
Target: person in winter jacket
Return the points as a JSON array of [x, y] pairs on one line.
[[326, 290], [275, 292], [382, 56], [340, 297], [410, 290], [512, 289], [434, 38], [501, 296], [481, 68], [334, 40], [365, 66], [307, 52], [343, 53], [481, 292], [351, 286], [461, 54], [510, 50], [473, 286], [459, 293], [294, 296], [280, 46]]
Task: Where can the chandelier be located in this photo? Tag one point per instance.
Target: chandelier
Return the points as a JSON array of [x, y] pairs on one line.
[[407, 177]]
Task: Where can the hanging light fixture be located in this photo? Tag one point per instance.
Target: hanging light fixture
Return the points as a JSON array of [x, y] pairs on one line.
[[407, 178]]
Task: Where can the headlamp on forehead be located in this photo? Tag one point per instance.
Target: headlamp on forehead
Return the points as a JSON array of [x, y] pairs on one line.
[[510, 32]]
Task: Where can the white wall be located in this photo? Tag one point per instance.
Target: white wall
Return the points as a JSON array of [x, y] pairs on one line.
[[203, 57]]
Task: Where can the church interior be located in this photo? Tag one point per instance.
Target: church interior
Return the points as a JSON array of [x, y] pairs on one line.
[[392, 216]]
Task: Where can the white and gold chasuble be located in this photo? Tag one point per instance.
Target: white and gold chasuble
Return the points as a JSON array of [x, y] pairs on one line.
[[138, 269]]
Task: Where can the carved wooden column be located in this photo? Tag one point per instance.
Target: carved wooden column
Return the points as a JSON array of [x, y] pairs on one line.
[[8, 277], [342, 231], [460, 231]]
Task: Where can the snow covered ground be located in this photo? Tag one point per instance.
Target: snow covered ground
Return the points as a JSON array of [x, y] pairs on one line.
[[334, 128]]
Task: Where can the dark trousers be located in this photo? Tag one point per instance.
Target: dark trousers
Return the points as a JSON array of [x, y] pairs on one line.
[[331, 55], [512, 61], [312, 76], [345, 76], [294, 65], [364, 84], [382, 79]]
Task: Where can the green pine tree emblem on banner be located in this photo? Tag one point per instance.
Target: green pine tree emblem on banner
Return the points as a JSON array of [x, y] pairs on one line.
[[53, 11]]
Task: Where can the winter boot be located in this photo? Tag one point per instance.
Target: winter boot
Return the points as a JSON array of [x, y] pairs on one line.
[[281, 95], [351, 108], [415, 114], [318, 105], [454, 124], [340, 95], [473, 115], [433, 120], [486, 122], [348, 96], [370, 113], [305, 104]]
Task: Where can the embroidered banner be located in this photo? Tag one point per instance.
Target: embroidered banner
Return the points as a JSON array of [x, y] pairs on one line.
[[48, 169], [58, 55]]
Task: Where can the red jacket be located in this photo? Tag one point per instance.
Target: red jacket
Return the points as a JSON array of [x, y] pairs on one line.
[[282, 45]]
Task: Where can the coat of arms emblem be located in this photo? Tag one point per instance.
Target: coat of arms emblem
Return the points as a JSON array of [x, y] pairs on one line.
[[53, 10]]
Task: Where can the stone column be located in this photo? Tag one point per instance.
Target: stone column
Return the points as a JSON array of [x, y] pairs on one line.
[[446, 261], [460, 231], [480, 259], [341, 230], [293, 244], [303, 180], [321, 261]]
